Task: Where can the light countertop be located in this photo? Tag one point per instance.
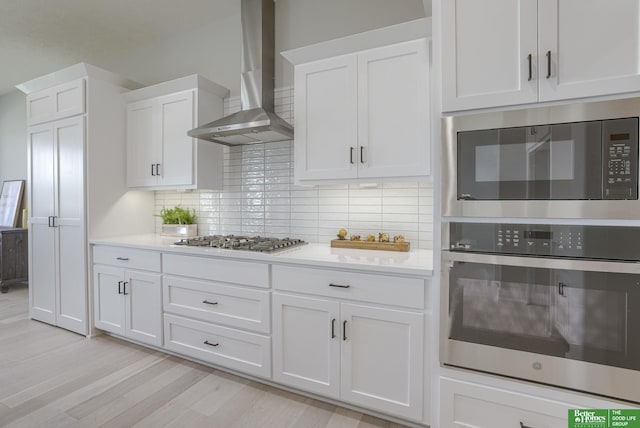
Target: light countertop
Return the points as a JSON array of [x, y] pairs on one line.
[[415, 262]]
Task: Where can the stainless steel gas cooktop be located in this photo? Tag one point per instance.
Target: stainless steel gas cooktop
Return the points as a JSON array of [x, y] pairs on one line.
[[246, 243]]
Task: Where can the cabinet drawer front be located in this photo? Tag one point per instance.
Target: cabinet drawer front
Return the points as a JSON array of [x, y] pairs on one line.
[[469, 405], [384, 289], [246, 352], [245, 273], [208, 301], [130, 258]]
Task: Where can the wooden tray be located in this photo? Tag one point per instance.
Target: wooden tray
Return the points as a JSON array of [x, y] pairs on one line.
[[367, 245]]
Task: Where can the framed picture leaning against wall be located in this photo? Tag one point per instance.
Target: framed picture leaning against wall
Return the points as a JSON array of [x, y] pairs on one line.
[[10, 200]]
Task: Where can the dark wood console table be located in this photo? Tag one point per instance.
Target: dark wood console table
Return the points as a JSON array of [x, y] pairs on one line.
[[13, 257]]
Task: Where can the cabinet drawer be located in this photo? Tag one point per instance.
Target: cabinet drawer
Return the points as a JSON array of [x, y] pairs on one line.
[[246, 352], [221, 270], [209, 301], [384, 289], [130, 258], [468, 405]]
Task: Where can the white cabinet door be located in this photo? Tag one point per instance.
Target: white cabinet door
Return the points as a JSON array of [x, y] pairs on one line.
[[143, 144], [393, 111], [593, 47], [306, 343], [143, 307], [42, 263], [61, 101], [70, 249], [108, 301], [176, 117], [326, 105], [382, 359], [485, 48]]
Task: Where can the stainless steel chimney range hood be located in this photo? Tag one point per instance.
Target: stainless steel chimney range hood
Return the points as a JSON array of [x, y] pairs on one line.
[[256, 122]]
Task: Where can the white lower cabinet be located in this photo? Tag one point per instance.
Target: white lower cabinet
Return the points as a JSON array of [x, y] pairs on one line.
[[365, 355], [209, 304], [469, 405], [238, 350], [128, 301]]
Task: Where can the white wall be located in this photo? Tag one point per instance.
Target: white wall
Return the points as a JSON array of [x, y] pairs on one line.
[[13, 137]]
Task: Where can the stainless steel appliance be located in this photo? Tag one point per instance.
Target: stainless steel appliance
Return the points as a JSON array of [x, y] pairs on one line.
[[257, 122], [555, 304], [570, 161], [245, 243]]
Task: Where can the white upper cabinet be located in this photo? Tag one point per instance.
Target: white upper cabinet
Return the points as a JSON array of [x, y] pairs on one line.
[[160, 155], [506, 52], [60, 101], [485, 53], [363, 114], [326, 129], [593, 46]]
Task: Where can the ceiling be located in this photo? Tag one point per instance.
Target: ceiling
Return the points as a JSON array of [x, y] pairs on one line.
[[38, 37]]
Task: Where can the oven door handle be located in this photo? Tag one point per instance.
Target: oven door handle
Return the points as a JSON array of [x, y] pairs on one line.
[[541, 262]]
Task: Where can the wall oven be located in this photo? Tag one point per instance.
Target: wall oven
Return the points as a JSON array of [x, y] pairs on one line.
[[555, 304], [570, 161]]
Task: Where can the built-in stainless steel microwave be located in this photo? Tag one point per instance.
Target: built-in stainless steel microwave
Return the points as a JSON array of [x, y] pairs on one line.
[[570, 161]]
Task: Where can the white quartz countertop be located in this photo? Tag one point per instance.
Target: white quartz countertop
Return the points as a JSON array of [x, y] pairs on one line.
[[415, 262]]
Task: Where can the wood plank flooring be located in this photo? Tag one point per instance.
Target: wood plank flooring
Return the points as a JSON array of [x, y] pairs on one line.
[[50, 377]]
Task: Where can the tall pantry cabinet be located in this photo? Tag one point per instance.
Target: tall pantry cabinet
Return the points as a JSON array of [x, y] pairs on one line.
[[76, 186]]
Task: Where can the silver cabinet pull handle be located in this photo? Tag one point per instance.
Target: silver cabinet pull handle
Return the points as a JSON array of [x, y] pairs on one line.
[[120, 285], [209, 303], [333, 328], [339, 285], [124, 288], [548, 64], [124, 259], [529, 59], [206, 342], [361, 154], [351, 149], [344, 330]]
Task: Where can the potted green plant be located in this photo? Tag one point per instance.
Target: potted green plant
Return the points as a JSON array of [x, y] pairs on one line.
[[179, 221]]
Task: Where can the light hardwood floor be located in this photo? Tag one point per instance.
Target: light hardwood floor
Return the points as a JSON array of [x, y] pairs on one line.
[[50, 377]]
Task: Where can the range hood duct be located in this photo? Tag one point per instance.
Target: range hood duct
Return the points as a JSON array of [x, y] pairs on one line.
[[257, 121]]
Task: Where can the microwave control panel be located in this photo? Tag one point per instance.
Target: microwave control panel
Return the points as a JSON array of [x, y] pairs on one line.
[[620, 159], [551, 240]]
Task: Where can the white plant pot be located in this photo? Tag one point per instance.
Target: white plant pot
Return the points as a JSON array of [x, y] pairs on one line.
[[180, 230]]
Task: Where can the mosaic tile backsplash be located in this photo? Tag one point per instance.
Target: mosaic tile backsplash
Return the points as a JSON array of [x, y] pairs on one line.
[[260, 198]]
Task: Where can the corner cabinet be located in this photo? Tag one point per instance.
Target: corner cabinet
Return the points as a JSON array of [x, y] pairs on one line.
[[538, 51], [360, 353], [364, 115], [160, 155], [76, 189]]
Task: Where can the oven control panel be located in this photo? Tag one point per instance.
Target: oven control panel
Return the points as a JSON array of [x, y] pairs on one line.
[[576, 241]]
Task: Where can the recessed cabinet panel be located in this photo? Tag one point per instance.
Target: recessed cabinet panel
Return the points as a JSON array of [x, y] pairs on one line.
[[72, 295], [326, 119], [486, 55], [393, 111], [377, 338], [595, 55], [70, 166], [306, 341], [109, 314], [143, 305], [42, 298], [176, 116], [41, 170], [142, 144]]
